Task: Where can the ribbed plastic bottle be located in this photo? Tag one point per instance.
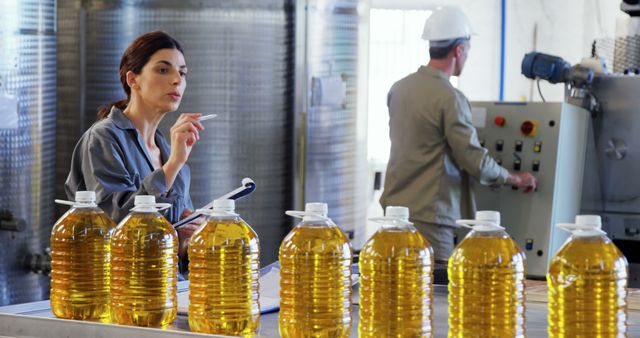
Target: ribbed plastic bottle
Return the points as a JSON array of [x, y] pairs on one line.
[[486, 281], [144, 267], [224, 263], [396, 280], [315, 277], [80, 257], [587, 282]]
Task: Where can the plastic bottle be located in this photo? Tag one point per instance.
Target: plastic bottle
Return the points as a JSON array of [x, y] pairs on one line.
[[224, 262], [486, 281], [80, 257], [315, 277], [144, 267], [587, 282], [396, 280]]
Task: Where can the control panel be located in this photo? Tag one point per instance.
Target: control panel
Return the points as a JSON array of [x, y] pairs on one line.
[[548, 140]]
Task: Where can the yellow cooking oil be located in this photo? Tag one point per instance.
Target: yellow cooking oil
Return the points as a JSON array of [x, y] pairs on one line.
[[587, 283], [315, 277], [144, 267], [80, 257], [224, 266], [396, 280], [486, 282]]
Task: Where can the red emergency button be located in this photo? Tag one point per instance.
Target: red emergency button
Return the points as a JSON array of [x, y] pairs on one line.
[[528, 128], [500, 121]]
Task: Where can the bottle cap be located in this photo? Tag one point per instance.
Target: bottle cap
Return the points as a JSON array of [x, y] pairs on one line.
[[85, 196], [486, 220], [585, 226], [317, 208], [489, 216], [397, 212], [224, 205], [593, 221], [145, 200], [312, 212]]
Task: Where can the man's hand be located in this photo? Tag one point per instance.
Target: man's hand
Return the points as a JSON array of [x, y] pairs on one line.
[[523, 180]]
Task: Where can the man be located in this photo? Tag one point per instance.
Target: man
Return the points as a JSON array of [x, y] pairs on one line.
[[434, 146]]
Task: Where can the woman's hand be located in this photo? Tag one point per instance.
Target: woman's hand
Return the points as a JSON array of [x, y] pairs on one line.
[[185, 232], [184, 134]]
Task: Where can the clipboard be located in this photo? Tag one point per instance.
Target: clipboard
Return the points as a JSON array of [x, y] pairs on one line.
[[247, 187]]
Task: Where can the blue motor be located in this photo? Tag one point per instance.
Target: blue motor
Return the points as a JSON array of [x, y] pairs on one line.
[[544, 66], [555, 70]]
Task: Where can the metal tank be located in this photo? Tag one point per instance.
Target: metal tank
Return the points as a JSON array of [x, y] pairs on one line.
[[27, 146], [334, 147], [240, 59]]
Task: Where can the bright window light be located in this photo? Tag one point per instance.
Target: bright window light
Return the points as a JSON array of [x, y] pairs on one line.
[[395, 51]]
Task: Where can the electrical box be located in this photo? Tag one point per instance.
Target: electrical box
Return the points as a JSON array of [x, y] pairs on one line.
[[548, 140]]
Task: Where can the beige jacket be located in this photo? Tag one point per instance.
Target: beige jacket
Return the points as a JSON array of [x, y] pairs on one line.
[[434, 149]]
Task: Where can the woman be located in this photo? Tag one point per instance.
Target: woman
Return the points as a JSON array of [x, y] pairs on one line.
[[124, 155]]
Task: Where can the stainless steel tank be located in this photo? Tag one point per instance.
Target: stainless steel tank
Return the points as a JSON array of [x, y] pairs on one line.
[[240, 56], [335, 161], [27, 145]]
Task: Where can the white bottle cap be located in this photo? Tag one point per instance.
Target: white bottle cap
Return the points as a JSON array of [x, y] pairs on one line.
[[593, 221], [317, 208], [145, 200], [86, 196], [397, 212], [488, 216], [486, 220], [224, 205]]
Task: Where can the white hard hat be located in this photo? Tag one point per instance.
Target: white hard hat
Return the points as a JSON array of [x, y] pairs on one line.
[[447, 23]]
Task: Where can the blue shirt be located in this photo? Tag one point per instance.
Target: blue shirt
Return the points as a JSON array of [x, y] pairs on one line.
[[111, 159]]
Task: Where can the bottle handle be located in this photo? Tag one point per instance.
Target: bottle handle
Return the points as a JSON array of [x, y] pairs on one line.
[[157, 206], [571, 227], [75, 204], [479, 225], [303, 214], [387, 220], [213, 212]]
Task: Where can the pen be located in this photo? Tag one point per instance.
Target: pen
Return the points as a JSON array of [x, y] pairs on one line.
[[206, 117]]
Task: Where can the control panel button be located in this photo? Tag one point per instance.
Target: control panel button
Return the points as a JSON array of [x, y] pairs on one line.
[[517, 164], [528, 244], [518, 146], [535, 166], [529, 128], [537, 147], [500, 121], [499, 145]]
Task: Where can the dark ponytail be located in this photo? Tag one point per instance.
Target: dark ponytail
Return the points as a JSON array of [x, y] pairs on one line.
[[135, 57], [104, 111]]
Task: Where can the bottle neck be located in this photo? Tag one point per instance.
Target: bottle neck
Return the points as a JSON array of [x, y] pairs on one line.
[[315, 222], [488, 233], [397, 226], [85, 206], [588, 235], [145, 209], [222, 217]]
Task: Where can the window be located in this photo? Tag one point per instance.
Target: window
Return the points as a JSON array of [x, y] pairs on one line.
[[395, 50]]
